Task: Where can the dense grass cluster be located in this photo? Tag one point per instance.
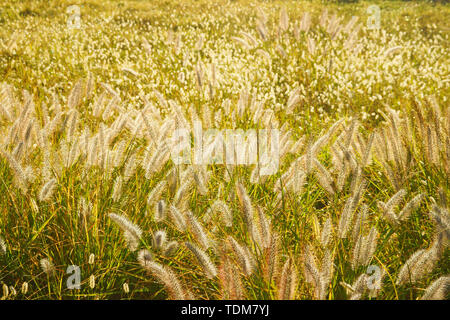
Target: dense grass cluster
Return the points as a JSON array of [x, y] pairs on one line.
[[358, 208]]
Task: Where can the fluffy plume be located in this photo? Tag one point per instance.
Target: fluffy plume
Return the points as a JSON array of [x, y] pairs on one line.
[[2, 245], [321, 277], [126, 225], [388, 207], [160, 211], [168, 278], [177, 218], [438, 289], [326, 233], [205, 262], [288, 282], [364, 249], [247, 209], [145, 257], [197, 230], [243, 255], [159, 239], [418, 265], [221, 209], [171, 248], [47, 266]]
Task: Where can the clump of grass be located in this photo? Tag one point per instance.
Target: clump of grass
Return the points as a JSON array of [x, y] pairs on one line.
[[362, 156]]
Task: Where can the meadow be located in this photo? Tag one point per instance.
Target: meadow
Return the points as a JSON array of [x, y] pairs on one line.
[[95, 205]]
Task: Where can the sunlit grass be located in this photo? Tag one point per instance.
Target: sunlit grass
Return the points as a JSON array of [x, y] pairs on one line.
[[141, 56]]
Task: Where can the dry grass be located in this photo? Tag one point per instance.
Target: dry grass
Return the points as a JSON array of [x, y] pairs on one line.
[[87, 176]]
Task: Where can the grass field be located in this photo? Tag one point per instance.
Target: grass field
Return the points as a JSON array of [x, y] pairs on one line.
[[355, 205]]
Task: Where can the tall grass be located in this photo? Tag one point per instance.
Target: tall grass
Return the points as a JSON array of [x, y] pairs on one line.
[[358, 208]]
